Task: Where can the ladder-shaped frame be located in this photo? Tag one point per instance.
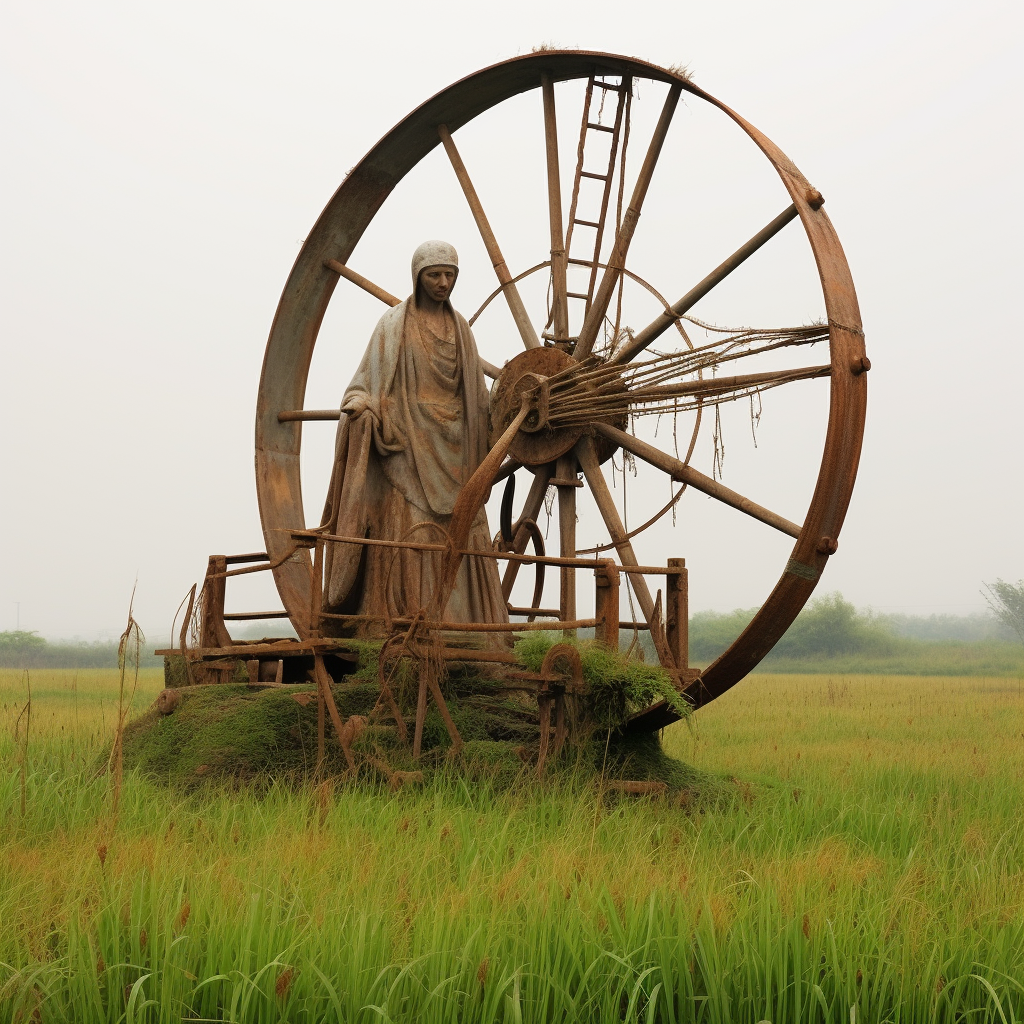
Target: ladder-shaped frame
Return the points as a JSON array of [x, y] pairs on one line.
[[588, 125]]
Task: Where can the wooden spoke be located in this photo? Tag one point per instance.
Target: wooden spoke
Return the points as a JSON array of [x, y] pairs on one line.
[[617, 260], [305, 415], [606, 504], [686, 474], [559, 285], [512, 297], [664, 321], [531, 509], [363, 282]]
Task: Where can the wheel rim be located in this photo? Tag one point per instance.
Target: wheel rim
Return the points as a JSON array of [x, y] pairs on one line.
[[349, 213]]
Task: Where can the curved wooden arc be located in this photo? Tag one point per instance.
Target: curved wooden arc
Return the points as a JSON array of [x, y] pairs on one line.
[[338, 230]]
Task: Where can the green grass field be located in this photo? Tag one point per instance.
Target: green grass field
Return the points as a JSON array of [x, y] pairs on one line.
[[869, 868]]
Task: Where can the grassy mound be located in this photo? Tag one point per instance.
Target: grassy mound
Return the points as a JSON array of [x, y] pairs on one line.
[[236, 734]]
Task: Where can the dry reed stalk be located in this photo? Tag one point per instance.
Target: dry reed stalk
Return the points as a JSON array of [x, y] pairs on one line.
[[26, 713], [129, 649]]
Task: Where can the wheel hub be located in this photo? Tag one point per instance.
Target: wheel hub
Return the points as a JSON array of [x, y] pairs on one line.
[[537, 442]]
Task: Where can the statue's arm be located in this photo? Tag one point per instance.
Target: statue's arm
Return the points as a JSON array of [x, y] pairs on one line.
[[355, 403]]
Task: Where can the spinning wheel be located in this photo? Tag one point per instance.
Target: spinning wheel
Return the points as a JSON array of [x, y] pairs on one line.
[[563, 406]]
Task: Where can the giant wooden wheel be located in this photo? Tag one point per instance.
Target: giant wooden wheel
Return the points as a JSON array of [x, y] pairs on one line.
[[562, 406]]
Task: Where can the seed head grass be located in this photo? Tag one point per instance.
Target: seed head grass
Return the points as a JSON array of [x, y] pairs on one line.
[[868, 864]]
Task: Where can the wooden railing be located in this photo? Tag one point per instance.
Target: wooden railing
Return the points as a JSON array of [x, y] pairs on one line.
[[213, 632]]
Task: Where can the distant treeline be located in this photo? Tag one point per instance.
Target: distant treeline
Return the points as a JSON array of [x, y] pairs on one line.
[[829, 635], [21, 649]]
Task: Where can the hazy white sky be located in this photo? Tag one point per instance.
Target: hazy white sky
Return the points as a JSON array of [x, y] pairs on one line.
[[163, 163]]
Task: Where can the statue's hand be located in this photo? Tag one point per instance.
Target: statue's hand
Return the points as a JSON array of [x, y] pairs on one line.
[[355, 406]]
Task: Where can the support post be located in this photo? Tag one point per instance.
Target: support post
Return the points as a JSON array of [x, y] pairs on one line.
[[677, 612], [321, 728], [606, 604], [545, 700], [421, 712], [323, 685], [442, 706], [565, 479], [560, 727], [212, 631]]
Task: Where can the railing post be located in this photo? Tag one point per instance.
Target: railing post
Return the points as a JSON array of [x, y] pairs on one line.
[[677, 612], [212, 631], [316, 595], [606, 604]]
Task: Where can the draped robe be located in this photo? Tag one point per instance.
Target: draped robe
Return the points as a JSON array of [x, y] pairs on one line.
[[399, 467]]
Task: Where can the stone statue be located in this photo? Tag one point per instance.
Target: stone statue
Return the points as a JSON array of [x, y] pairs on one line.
[[413, 429]]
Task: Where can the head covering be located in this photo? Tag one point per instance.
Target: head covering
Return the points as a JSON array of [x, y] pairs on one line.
[[433, 254]]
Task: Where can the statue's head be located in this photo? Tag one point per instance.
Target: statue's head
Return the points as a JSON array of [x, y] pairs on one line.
[[435, 266]]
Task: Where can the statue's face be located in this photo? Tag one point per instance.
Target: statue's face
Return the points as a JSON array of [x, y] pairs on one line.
[[437, 282]]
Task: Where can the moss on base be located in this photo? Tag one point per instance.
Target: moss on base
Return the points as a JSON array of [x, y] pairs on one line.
[[236, 734]]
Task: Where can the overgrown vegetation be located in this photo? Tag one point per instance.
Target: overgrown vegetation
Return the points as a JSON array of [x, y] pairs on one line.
[[237, 735], [616, 686], [869, 867]]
